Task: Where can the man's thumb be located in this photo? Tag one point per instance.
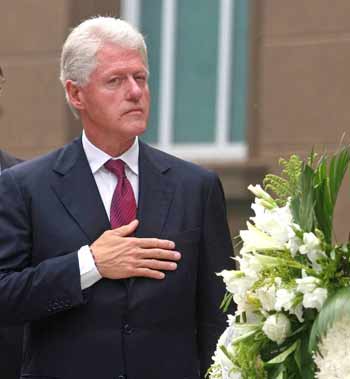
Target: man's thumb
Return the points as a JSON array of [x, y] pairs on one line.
[[126, 230]]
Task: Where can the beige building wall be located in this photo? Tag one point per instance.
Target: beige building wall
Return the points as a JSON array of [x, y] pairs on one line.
[[301, 81], [34, 118]]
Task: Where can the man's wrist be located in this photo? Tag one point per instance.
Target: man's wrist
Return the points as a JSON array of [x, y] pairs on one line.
[[89, 273]]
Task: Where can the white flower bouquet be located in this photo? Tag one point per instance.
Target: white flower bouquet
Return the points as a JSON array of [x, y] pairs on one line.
[[292, 295]]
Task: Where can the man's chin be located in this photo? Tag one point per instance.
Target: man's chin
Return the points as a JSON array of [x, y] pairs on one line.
[[136, 129]]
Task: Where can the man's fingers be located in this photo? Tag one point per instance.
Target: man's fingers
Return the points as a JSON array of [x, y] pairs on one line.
[[149, 243], [155, 264], [159, 254], [148, 273], [126, 230]]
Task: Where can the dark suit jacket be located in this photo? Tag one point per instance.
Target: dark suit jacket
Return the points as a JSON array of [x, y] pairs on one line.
[[138, 328], [10, 337], [7, 160]]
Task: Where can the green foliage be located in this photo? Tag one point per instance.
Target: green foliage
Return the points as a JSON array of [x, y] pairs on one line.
[[306, 364], [285, 186], [247, 356], [302, 203], [313, 187], [291, 359], [328, 179], [226, 301]]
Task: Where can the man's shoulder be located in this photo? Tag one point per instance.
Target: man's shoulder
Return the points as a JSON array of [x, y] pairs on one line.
[[41, 165], [7, 160]]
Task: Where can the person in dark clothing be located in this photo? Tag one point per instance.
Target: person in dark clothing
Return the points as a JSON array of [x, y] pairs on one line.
[[10, 337]]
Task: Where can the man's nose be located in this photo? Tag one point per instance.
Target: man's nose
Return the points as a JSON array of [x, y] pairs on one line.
[[134, 91]]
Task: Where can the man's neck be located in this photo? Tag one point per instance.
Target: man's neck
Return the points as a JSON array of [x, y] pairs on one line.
[[114, 147]]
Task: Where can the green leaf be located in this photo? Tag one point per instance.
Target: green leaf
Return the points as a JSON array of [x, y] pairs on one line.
[[298, 357], [226, 301], [278, 372], [302, 203], [327, 185], [285, 185], [335, 307], [307, 363], [280, 358]]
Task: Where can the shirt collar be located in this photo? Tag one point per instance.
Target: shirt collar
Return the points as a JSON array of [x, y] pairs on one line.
[[97, 158]]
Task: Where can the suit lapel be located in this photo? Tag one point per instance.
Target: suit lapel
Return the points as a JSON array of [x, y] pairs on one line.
[[76, 188], [155, 193]]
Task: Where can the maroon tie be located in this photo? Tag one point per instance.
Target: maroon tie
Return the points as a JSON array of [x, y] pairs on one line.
[[123, 206]]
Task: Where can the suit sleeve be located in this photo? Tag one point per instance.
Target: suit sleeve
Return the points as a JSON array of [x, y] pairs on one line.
[[215, 255], [29, 292]]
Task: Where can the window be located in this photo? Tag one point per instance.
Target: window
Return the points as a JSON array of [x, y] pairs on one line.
[[198, 74]]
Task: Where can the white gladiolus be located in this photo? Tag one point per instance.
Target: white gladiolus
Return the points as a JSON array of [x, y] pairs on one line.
[[294, 242], [243, 304], [307, 284], [277, 327], [267, 297], [275, 222], [285, 300], [311, 247], [261, 194], [256, 240], [297, 310], [222, 367], [315, 299], [249, 264], [237, 282], [333, 360]]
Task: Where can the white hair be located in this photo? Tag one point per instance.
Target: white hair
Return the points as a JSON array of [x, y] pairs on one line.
[[79, 52]]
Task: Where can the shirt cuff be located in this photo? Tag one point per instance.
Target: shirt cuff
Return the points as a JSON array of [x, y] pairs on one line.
[[89, 274]]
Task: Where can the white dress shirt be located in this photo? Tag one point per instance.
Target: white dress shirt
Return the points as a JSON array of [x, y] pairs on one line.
[[106, 184]]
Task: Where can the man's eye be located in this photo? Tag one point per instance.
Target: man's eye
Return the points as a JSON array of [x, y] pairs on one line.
[[116, 80], [140, 78]]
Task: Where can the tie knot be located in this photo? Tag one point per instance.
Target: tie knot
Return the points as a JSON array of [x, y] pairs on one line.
[[116, 166]]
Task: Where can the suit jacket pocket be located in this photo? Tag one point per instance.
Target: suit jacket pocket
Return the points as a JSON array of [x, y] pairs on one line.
[[192, 235]]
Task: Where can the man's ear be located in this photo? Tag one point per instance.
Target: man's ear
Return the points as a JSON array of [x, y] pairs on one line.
[[74, 94]]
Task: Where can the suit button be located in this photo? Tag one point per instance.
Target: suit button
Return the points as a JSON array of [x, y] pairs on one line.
[[127, 329]]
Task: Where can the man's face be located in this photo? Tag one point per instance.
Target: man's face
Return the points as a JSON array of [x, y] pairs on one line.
[[116, 100]]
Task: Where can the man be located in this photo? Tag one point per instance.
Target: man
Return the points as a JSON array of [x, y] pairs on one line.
[[108, 247], [10, 337]]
